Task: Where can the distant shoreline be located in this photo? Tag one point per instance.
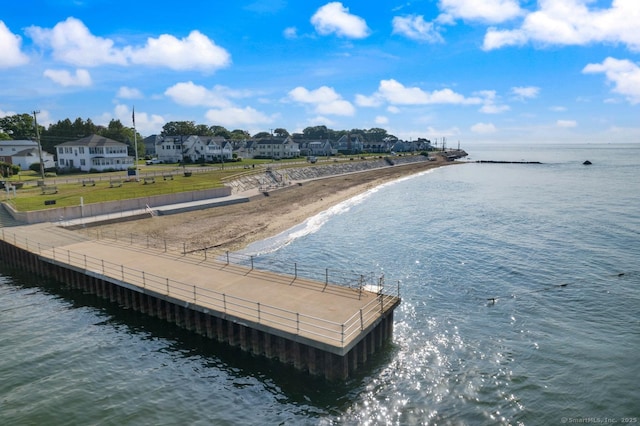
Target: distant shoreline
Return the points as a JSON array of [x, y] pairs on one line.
[[234, 227]]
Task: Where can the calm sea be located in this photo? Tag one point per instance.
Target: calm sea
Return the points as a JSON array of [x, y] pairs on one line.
[[521, 304]]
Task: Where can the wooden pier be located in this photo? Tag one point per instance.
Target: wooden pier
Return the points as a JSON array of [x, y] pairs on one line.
[[318, 327]]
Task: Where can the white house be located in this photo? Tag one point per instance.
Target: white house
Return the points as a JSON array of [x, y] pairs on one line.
[[277, 148], [94, 153], [24, 153], [218, 149]]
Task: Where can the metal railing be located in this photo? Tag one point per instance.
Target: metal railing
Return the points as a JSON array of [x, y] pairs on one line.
[[296, 323], [347, 279]]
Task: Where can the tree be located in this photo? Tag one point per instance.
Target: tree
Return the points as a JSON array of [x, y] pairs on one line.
[[179, 128], [262, 135], [238, 135], [316, 132], [19, 126], [280, 132], [220, 131]]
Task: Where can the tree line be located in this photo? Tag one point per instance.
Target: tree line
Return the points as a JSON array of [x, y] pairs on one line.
[[22, 126]]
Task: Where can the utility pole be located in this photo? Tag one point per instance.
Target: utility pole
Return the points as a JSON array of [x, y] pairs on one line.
[[35, 120]]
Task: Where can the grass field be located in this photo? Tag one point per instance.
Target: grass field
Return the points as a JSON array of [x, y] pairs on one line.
[[100, 187]]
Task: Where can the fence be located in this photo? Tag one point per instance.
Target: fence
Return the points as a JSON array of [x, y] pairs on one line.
[[338, 334], [348, 279]]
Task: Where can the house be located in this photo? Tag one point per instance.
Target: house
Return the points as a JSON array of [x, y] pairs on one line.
[[277, 148], [150, 143], [349, 144], [24, 153], [94, 152], [218, 149], [245, 148], [193, 149], [169, 149], [29, 156], [320, 148]]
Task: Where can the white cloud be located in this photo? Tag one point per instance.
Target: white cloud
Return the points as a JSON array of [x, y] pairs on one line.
[[571, 22], [72, 42], [368, 101], [196, 51], [335, 18], [566, 123], [125, 92], [11, 55], [237, 117], [191, 94], [66, 79], [526, 92], [145, 123], [483, 128], [325, 99], [290, 32], [396, 93], [623, 74], [381, 120], [416, 28], [492, 11], [491, 103], [393, 109]]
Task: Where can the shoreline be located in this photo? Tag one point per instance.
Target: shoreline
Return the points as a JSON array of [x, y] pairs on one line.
[[234, 227]]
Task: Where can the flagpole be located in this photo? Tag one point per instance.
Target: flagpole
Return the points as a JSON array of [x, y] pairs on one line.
[[135, 140]]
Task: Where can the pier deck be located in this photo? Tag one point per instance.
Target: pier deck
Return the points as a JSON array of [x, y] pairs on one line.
[[322, 315]]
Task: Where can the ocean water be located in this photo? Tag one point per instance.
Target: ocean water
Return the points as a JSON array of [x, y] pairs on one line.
[[521, 305]]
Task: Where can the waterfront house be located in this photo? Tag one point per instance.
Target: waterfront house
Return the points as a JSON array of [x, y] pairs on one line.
[[350, 144], [218, 148], [94, 152], [24, 153], [277, 148]]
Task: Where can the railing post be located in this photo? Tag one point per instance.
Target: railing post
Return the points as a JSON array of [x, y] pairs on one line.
[[361, 320], [53, 249], [342, 340], [258, 312], [167, 286], [85, 261], [165, 245], [252, 262], [184, 249], [147, 241], [224, 302], [102, 266], [122, 271], [69, 257], [194, 294], [295, 267], [297, 322], [227, 257], [205, 253], [144, 280], [381, 304]]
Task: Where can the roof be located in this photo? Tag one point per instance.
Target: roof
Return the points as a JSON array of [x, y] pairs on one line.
[[93, 141]]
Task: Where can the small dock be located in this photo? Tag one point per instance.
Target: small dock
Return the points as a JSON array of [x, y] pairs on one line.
[[319, 327]]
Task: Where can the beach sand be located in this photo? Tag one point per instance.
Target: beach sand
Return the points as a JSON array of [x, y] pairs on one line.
[[233, 227]]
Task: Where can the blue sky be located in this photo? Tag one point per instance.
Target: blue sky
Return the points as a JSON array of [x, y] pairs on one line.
[[469, 70]]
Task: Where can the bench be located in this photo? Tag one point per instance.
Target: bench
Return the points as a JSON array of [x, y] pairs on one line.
[[167, 176], [90, 182], [149, 180], [117, 183], [49, 189]]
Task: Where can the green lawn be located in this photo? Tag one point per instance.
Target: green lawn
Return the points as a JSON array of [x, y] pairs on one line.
[[30, 196]]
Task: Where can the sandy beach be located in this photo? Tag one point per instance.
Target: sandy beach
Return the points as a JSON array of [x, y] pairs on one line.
[[233, 227]]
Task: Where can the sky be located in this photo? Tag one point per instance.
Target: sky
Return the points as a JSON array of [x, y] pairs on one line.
[[470, 71]]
